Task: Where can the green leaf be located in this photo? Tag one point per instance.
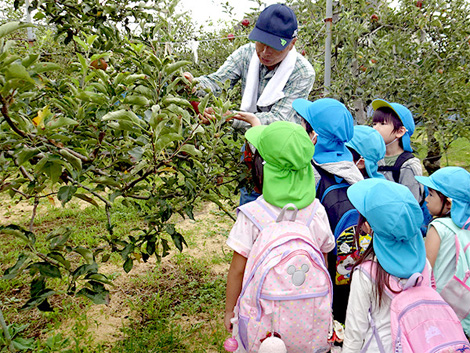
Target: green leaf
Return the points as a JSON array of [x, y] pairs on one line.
[[136, 100], [170, 69], [19, 232], [58, 237], [13, 271], [17, 71], [10, 27], [97, 297], [24, 344], [128, 265], [87, 254], [62, 121], [85, 269], [203, 104], [178, 239], [59, 258], [42, 67], [87, 199], [122, 115], [74, 161], [65, 193], [84, 45], [92, 97], [166, 139], [107, 181], [26, 154], [46, 269], [38, 300], [191, 149], [30, 60]]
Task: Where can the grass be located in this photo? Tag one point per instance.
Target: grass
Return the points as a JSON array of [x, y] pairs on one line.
[[175, 306]]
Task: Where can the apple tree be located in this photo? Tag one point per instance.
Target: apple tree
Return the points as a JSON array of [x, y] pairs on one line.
[[415, 53]]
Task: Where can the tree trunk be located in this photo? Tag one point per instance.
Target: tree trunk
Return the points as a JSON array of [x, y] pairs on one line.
[[432, 162]]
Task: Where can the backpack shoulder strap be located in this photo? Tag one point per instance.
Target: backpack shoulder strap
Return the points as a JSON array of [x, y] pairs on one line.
[[258, 213], [261, 215], [395, 169]]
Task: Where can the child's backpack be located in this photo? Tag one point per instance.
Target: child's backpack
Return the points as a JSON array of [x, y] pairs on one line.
[[396, 170], [456, 291], [343, 217], [421, 321], [286, 287]]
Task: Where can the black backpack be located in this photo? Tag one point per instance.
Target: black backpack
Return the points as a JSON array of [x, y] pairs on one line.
[[343, 217], [396, 169]]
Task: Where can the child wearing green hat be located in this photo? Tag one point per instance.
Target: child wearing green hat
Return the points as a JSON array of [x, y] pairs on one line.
[[448, 236], [287, 178], [330, 126]]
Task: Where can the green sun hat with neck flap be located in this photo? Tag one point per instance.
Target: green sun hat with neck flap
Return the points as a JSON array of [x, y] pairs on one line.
[[288, 175]]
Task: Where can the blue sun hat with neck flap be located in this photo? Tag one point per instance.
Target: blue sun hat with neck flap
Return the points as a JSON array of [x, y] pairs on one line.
[[454, 183], [371, 146], [333, 123], [395, 217], [404, 115]]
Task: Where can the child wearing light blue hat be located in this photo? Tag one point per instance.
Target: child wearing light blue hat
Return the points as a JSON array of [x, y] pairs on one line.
[[396, 125], [396, 251], [330, 125], [449, 202], [368, 148]]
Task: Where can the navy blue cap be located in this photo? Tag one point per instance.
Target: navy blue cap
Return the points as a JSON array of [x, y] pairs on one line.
[[276, 27]]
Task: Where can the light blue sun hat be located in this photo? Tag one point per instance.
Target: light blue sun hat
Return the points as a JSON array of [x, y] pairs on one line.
[[395, 217], [454, 183], [371, 146], [333, 123], [404, 115]]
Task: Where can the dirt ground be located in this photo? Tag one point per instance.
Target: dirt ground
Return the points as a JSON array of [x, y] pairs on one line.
[[108, 320]]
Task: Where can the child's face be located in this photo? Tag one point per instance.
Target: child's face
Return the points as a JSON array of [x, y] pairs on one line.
[[313, 135], [386, 131], [434, 204]]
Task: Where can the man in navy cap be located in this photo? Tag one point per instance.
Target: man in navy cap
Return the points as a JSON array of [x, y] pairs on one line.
[[271, 71]]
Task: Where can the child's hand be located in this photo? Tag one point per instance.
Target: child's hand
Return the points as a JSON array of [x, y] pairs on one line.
[[227, 323], [250, 118]]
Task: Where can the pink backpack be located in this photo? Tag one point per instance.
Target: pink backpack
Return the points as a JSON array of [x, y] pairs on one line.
[[286, 287], [421, 321]]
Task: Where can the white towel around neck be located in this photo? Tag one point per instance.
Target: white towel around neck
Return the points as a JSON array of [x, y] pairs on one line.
[[274, 90]]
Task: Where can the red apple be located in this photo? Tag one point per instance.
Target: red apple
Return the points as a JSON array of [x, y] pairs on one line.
[[230, 36], [195, 106], [419, 4], [246, 22], [440, 71], [374, 18], [303, 52]]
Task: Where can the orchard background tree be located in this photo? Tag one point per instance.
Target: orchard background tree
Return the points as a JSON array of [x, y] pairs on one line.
[[415, 53]]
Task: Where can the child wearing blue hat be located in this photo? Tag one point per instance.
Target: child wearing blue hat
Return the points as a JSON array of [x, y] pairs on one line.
[[397, 251], [396, 125], [449, 202], [368, 148], [330, 126]]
